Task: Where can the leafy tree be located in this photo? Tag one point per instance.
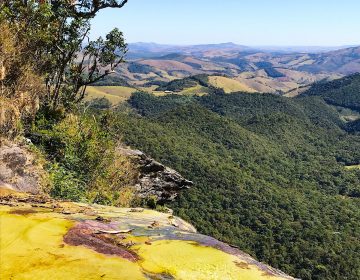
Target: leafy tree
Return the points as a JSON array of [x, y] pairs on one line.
[[56, 37], [20, 87]]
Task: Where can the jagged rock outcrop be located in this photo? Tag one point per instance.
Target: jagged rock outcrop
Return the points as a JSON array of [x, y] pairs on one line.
[[19, 168], [155, 179]]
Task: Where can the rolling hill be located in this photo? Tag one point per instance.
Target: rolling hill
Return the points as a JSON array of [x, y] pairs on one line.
[[344, 61], [229, 85], [256, 69], [115, 94], [343, 92]]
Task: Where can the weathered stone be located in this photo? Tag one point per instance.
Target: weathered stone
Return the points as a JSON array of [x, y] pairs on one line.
[[155, 179], [18, 168]]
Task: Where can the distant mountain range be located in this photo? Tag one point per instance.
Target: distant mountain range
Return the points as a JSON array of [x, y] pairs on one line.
[[154, 48], [233, 68]]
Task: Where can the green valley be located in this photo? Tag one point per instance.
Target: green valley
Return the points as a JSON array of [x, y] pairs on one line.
[[268, 171]]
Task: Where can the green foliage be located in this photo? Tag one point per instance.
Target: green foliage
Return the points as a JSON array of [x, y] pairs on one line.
[[269, 175], [151, 202], [83, 160], [54, 34], [178, 85], [192, 81], [181, 84], [353, 126], [66, 184], [342, 92], [148, 104], [111, 80], [99, 103], [140, 68]]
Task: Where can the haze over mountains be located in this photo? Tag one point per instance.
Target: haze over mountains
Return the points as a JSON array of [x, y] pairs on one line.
[[151, 47]]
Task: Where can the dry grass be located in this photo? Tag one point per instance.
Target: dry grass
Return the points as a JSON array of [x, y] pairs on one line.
[[352, 167], [20, 88], [115, 94], [229, 85]]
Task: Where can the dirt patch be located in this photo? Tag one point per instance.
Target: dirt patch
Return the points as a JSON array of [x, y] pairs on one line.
[[242, 265], [23, 212], [87, 234]]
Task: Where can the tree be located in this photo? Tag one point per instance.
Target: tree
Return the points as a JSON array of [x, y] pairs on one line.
[[20, 87], [56, 37]]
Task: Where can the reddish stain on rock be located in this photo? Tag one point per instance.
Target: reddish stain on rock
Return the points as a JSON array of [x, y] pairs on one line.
[[22, 211], [86, 234]]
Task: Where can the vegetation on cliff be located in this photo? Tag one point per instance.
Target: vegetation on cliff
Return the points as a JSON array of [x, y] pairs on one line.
[[46, 63]]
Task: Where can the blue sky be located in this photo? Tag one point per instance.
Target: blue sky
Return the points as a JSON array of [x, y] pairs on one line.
[[247, 22]]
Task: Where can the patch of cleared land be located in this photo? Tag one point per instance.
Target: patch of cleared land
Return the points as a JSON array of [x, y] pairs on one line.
[[352, 167], [168, 65], [296, 92], [229, 85], [196, 90], [115, 94]]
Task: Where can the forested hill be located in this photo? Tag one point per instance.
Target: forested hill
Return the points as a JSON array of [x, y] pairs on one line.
[[270, 174], [343, 92]]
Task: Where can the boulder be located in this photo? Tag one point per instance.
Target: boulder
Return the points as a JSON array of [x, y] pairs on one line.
[[19, 169], [155, 179]]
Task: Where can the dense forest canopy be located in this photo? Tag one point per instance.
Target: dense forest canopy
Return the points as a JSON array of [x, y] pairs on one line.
[[341, 92], [269, 175]]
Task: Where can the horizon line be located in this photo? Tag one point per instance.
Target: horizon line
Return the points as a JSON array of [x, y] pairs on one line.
[[247, 45]]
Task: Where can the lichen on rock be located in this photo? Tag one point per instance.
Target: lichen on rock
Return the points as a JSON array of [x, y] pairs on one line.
[[42, 238]]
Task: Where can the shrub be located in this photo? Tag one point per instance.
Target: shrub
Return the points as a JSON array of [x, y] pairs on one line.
[[20, 88], [85, 164]]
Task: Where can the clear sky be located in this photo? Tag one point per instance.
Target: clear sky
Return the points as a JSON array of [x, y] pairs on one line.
[[247, 22]]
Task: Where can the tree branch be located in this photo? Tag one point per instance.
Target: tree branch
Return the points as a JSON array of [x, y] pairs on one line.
[[88, 9]]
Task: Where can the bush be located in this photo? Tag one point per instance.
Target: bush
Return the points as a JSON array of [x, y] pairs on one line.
[[85, 165], [100, 103], [65, 184], [20, 88]]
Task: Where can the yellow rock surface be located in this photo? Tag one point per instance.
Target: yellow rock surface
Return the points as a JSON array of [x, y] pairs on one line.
[[188, 260], [31, 247]]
